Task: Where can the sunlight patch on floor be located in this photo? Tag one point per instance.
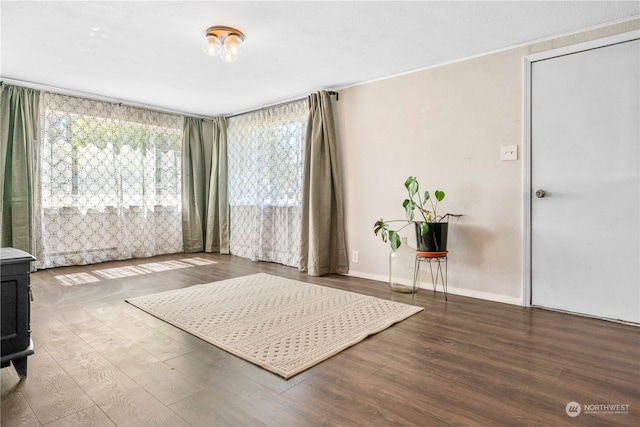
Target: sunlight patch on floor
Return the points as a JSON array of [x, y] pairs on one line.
[[77, 279], [129, 271]]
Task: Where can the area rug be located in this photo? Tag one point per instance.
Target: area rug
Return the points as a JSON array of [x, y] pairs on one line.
[[282, 325]]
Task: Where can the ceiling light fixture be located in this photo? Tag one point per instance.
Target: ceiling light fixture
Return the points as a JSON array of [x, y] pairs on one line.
[[223, 41]]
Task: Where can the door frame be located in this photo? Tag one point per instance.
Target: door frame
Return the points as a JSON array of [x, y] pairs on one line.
[[528, 62]]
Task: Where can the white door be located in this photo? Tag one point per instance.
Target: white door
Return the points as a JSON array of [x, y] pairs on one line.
[[585, 157]]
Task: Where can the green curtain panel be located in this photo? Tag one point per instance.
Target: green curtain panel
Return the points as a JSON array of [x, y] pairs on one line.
[[205, 208], [194, 203], [217, 231], [323, 245], [19, 124]]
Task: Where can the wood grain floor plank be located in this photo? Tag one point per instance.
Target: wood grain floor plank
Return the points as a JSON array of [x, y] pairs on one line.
[[63, 346], [9, 380], [462, 362], [51, 328], [124, 401], [151, 340], [16, 412], [50, 391], [349, 405], [90, 417], [262, 401], [135, 408], [76, 318], [117, 349], [95, 374], [162, 381], [207, 409]]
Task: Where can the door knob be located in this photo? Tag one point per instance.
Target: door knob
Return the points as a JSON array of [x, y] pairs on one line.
[[540, 194]]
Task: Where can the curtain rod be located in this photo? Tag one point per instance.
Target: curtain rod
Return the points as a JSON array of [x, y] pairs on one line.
[[291, 101], [131, 103], [70, 92]]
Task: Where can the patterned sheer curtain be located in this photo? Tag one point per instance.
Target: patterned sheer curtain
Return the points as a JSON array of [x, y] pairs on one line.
[[266, 160], [110, 182]]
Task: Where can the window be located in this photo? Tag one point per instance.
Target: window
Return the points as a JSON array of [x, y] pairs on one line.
[[266, 161], [94, 162], [110, 181]]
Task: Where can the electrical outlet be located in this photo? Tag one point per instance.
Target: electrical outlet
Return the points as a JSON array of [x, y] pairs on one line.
[[354, 257], [509, 152]]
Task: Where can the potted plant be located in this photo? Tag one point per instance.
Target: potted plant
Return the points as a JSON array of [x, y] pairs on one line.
[[431, 229]]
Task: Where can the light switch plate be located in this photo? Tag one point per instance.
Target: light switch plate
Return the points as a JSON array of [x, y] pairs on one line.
[[509, 152]]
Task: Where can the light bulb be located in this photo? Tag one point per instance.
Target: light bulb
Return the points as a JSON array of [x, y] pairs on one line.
[[212, 45], [233, 44], [227, 57]]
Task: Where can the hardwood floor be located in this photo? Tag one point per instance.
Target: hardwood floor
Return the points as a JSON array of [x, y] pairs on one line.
[[101, 362]]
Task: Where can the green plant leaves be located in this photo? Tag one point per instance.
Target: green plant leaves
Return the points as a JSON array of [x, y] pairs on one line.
[[394, 239], [412, 186], [381, 227], [424, 228], [409, 205], [387, 235]]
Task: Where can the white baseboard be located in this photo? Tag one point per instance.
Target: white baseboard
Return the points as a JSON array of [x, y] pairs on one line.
[[452, 290], [485, 296], [362, 275]]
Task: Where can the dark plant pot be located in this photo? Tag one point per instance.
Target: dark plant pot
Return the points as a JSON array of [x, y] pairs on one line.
[[436, 238]]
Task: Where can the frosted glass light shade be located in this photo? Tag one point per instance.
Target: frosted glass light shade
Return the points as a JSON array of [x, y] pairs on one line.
[[233, 45], [212, 46], [227, 57]]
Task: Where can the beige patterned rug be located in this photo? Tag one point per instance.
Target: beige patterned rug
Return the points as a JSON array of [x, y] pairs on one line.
[[282, 325]]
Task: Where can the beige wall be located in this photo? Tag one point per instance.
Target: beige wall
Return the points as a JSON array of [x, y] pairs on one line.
[[445, 125]]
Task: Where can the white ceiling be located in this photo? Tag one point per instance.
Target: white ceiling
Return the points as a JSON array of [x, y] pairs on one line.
[[149, 52]]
